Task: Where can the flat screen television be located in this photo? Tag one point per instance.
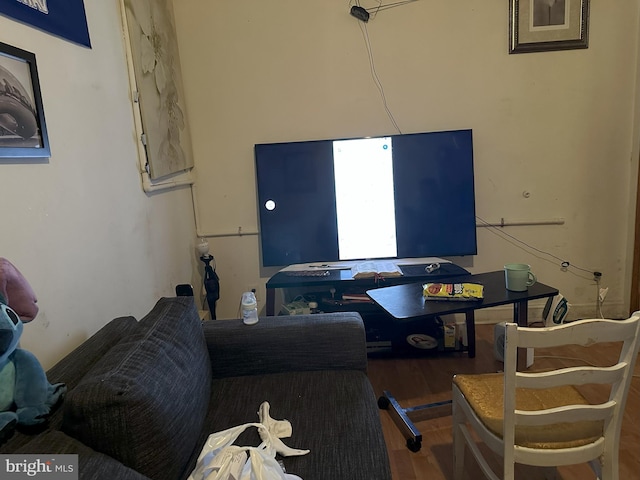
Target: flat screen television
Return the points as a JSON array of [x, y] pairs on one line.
[[399, 196]]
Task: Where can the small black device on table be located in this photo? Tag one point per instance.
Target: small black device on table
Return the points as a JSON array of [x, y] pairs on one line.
[[406, 302]]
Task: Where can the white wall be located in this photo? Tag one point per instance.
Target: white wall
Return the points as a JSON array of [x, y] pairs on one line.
[[92, 244], [559, 125]]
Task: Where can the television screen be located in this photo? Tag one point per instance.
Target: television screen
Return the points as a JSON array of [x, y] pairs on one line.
[[399, 196]]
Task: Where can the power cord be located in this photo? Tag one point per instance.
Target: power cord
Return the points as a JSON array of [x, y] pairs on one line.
[[564, 264], [597, 276], [362, 14], [381, 7], [374, 74]]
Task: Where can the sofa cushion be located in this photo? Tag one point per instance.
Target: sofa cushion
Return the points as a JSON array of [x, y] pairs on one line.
[[145, 401], [333, 413], [330, 341], [77, 363], [91, 464], [73, 367]]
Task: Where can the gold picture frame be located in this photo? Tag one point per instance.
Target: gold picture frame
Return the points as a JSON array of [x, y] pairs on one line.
[[545, 25]]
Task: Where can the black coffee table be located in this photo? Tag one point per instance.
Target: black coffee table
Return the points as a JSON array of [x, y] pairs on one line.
[[406, 302]]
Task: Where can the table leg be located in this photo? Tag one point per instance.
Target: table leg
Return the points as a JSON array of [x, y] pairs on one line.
[[404, 417], [470, 319], [271, 301], [520, 316]]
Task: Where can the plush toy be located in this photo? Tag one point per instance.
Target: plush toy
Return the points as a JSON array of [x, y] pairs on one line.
[[26, 396], [17, 292]]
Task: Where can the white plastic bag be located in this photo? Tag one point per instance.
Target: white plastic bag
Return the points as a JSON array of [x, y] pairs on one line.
[[221, 460]]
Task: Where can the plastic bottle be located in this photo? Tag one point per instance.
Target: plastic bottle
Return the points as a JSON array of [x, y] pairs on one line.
[[313, 306], [249, 308]]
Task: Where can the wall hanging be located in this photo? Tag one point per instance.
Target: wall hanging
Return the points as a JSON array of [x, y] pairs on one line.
[[158, 84], [64, 18], [542, 25], [23, 133]]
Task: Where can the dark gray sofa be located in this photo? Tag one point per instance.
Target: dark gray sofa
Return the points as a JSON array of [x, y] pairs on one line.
[[144, 395]]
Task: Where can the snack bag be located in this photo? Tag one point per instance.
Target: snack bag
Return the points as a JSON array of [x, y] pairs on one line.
[[452, 291]]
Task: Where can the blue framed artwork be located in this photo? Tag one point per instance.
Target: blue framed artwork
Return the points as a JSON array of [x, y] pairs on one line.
[[63, 18]]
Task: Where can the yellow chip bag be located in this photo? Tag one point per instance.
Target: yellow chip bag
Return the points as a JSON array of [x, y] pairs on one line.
[[452, 291]]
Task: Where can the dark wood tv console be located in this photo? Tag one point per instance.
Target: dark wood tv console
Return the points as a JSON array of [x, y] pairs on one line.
[[378, 323], [342, 280]]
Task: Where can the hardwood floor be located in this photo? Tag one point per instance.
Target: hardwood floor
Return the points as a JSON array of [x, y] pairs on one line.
[[415, 381]]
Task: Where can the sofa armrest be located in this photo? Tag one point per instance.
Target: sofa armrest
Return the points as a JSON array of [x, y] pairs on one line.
[[324, 341]]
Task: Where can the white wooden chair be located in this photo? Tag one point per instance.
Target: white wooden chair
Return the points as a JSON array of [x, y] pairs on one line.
[[541, 418]]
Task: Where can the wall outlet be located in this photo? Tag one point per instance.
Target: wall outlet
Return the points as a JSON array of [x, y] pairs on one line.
[[602, 294], [252, 287]]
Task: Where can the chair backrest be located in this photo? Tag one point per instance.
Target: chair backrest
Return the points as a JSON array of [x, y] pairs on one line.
[[608, 413]]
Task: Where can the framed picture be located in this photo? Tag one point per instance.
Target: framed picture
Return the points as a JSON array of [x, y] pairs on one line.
[[544, 25], [64, 18], [154, 56], [23, 133]]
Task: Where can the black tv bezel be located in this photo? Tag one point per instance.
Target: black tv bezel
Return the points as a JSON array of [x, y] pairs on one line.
[[306, 223]]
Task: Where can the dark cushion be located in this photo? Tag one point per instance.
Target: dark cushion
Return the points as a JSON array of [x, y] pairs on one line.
[[91, 464], [145, 401], [77, 363], [334, 414], [74, 366], [327, 341]]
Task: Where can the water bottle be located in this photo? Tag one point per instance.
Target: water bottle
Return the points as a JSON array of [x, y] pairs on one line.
[[249, 308]]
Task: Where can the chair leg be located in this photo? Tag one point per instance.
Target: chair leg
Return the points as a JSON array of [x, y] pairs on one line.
[[550, 473], [509, 472], [596, 467], [458, 454], [605, 467], [458, 443]]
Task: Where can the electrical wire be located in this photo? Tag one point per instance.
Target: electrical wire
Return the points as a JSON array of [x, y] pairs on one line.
[[563, 263], [519, 243], [392, 5], [373, 12], [598, 300], [365, 34], [374, 73]]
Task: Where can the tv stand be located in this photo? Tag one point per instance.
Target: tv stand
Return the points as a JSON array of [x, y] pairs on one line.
[[341, 281]]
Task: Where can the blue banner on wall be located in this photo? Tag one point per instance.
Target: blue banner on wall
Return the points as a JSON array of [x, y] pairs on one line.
[[64, 18]]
